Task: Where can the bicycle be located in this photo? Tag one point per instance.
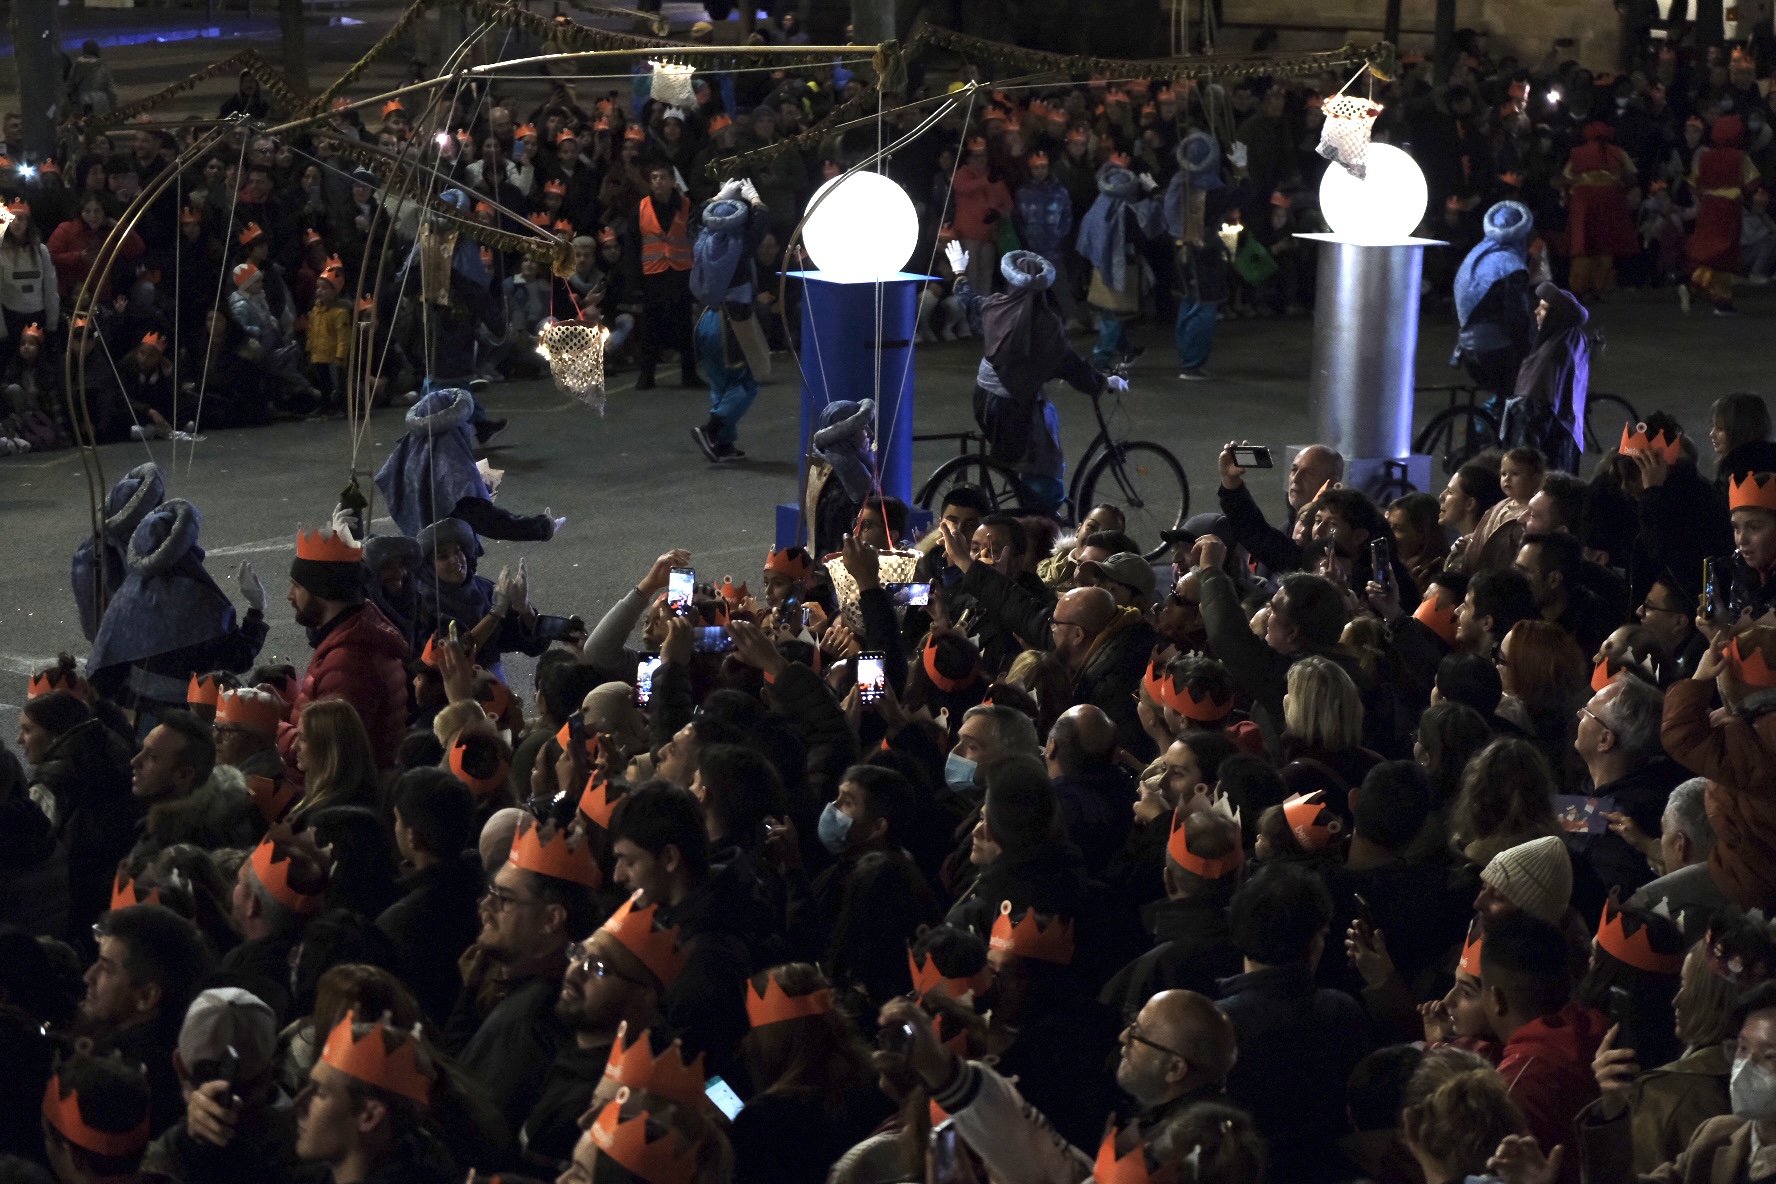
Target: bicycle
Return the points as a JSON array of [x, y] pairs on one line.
[[1466, 428], [1139, 477]]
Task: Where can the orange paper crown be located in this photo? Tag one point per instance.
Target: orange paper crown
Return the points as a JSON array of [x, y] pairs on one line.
[[1749, 668], [596, 802], [125, 894], [940, 680], [1756, 492], [524, 131], [483, 785], [272, 797], [607, 237], [1028, 939], [253, 231], [63, 1113], [156, 340], [540, 220], [563, 227], [1603, 673], [334, 268], [718, 123], [203, 692], [1120, 159], [249, 709], [1635, 438], [1311, 822], [927, 978], [371, 1061], [633, 1065], [1131, 1168], [243, 275], [1204, 710], [494, 696], [565, 134], [656, 948], [33, 330], [662, 1161], [1157, 684], [731, 593], [274, 873], [553, 851], [634, 133], [791, 561], [1037, 157], [589, 743], [776, 1007], [18, 207], [1633, 949], [1436, 616], [556, 187], [324, 546], [392, 106], [1471, 945], [1177, 847], [311, 236]]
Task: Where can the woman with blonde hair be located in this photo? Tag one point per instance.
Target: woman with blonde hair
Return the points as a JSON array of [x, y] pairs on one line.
[[1506, 798], [1323, 732], [1455, 1111], [334, 754]]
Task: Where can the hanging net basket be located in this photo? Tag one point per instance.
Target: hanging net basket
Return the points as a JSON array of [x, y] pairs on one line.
[[576, 358], [897, 567], [671, 84], [1344, 137]]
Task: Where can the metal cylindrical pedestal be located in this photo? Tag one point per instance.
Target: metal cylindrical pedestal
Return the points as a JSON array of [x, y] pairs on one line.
[[1365, 348]]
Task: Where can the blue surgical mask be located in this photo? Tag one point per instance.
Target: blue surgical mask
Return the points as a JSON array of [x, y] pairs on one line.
[[835, 828], [959, 773]]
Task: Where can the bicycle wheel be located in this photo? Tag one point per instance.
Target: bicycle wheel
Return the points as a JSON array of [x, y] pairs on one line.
[[1604, 416], [1455, 436], [1146, 483], [999, 482]]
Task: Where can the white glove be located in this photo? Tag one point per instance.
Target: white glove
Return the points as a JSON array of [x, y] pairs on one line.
[[343, 525], [1148, 184], [502, 593], [957, 256], [250, 587], [1116, 384], [750, 192], [555, 523], [1236, 155], [729, 191]]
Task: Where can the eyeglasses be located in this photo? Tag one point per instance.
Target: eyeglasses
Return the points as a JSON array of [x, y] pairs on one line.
[[1647, 606], [1601, 722], [498, 900], [580, 954], [1132, 1034], [1057, 621]]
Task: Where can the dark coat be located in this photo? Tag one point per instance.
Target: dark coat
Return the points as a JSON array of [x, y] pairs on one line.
[[84, 780], [33, 867], [793, 1137], [218, 813], [1050, 878], [361, 658], [1095, 808], [431, 925], [1194, 951], [1641, 795], [510, 1053], [1683, 522], [549, 1134]]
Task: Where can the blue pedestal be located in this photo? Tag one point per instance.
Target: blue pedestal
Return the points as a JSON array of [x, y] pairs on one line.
[[845, 327]]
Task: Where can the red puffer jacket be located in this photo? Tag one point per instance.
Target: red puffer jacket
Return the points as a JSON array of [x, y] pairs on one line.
[[363, 661]]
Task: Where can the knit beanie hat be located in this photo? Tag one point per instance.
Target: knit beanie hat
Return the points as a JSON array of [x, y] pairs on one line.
[[1535, 876]]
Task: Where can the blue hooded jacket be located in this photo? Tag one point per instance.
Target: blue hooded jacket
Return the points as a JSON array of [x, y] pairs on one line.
[[1103, 232], [1503, 252], [432, 467], [130, 500]]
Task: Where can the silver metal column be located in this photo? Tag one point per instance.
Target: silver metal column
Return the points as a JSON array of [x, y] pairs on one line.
[[1365, 348]]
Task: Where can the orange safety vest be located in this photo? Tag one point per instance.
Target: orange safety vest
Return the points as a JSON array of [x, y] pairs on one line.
[[668, 251]]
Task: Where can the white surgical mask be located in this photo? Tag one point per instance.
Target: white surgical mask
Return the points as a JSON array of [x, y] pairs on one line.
[[1753, 1090]]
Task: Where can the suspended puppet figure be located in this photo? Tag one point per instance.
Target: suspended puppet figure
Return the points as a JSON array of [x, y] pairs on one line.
[[1110, 237], [841, 445], [730, 346], [1025, 347], [1548, 409], [431, 474], [1493, 301], [98, 571], [169, 620], [1197, 203], [493, 616]]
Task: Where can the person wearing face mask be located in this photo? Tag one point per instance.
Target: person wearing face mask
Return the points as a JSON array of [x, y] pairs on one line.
[[874, 809], [988, 733]]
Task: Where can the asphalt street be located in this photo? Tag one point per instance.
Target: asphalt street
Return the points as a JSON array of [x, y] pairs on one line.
[[633, 484]]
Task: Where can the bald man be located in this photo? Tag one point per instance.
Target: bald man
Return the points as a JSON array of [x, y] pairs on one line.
[[497, 835], [1105, 648], [1177, 1051], [1092, 789], [1242, 522]]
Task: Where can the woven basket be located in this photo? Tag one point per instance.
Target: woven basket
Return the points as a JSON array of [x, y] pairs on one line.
[[897, 567], [1345, 135], [576, 359]]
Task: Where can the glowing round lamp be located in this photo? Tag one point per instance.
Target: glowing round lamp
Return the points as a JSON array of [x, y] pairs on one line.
[[1385, 206], [863, 227]]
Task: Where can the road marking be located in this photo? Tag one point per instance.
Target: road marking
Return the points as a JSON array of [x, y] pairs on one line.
[[277, 543]]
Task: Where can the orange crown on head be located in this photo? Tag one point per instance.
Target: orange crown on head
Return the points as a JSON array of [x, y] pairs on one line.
[[1633, 949], [311, 236], [203, 691], [556, 852], [1158, 684], [1314, 825], [589, 742], [540, 219], [371, 1061], [1756, 492], [1636, 438], [325, 546], [1029, 939], [479, 784], [524, 131], [33, 330], [1202, 866], [1120, 159], [665, 1160], [391, 107], [776, 1006], [927, 978], [563, 227], [1749, 665], [253, 231], [53, 679], [271, 863], [556, 187], [790, 561], [125, 894], [272, 797], [633, 1065], [1204, 710], [596, 800], [63, 1113], [729, 591], [1436, 616], [658, 948], [246, 708], [1131, 1168], [1471, 945], [157, 340]]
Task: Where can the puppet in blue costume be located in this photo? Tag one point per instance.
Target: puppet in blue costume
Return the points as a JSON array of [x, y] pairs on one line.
[[842, 440], [1110, 237], [1197, 202], [392, 563], [731, 347], [97, 572], [1547, 408], [494, 617], [1493, 303], [1025, 347], [169, 620], [430, 474], [465, 324]]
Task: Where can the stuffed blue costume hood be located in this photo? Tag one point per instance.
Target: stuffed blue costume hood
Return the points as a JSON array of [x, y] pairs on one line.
[[130, 500], [432, 467], [1103, 232], [718, 274], [167, 601], [840, 440], [1504, 251]]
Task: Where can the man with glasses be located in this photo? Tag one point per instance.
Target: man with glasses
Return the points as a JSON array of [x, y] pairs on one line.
[[1672, 616], [504, 1023], [1176, 1051], [1618, 739], [614, 978]]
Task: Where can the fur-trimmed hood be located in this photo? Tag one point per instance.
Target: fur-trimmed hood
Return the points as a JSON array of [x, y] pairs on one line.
[[167, 601], [1027, 271], [725, 215], [1118, 182], [167, 535], [1509, 223], [441, 411], [135, 494], [218, 813], [432, 466]]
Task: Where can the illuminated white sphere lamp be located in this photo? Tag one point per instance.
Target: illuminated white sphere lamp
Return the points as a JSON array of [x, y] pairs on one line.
[[1383, 207], [863, 227]]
